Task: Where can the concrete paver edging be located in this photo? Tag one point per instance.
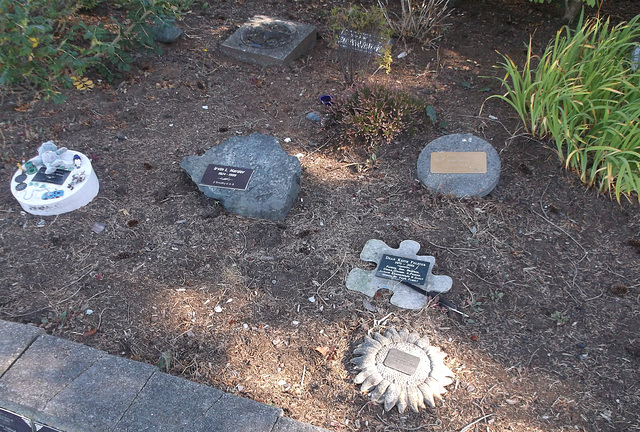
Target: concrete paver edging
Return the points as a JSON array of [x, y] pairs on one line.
[[71, 387]]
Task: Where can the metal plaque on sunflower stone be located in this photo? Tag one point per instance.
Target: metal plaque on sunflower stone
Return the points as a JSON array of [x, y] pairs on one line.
[[227, 177], [458, 162], [401, 361], [403, 269]]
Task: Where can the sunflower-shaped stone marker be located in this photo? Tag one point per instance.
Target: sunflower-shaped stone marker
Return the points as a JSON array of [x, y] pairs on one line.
[[401, 369]]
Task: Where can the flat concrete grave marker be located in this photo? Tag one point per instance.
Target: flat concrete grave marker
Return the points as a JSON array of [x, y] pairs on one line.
[[272, 176], [12, 422], [268, 41], [395, 266], [459, 165]]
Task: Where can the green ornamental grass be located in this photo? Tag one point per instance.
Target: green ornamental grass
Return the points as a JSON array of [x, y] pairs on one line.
[[583, 93]]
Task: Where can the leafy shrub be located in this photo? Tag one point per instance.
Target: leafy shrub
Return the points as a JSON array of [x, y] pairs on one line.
[[572, 7], [585, 93], [372, 114], [369, 28], [46, 41], [422, 20]]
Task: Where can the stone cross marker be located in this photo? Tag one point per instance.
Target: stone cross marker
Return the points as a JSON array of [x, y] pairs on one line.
[[251, 176], [267, 41], [460, 165], [395, 266]]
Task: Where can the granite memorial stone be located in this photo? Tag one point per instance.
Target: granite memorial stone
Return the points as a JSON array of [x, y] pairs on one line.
[[251, 176], [460, 165], [268, 41]]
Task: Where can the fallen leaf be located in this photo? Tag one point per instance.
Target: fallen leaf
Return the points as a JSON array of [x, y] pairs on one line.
[[91, 332], [327, 352]]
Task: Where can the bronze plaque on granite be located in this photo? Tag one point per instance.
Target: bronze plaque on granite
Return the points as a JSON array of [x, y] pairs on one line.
[[458, 162]]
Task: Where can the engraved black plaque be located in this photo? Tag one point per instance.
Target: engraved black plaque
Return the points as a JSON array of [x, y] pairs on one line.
[[228, 177], [403, 269], [58, 177], [12, 422], [401, 361]]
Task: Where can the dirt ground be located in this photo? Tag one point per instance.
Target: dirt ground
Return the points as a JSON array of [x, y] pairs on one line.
[[546, 269]]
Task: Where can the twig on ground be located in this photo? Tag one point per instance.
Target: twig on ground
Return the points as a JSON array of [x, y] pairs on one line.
[[451, 249], [100, 319], [565, 232], [531, 358], [332, 275], [473, 423], [322, 146], [544, 216]]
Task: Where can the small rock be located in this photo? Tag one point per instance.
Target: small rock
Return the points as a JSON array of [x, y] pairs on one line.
[[287, 140], [41, 223], [166, 33], [217, 309], [402, 55], [98, 227], [314, 117]]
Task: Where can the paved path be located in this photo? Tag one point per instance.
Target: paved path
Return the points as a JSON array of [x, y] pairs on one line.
[[59, 385]]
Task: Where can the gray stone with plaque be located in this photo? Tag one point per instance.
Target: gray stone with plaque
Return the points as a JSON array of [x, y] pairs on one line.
[[395, 267], [251, 176], [462, 165]]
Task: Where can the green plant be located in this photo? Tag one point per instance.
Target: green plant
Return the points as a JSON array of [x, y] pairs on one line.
[[559, 318], [421, 20], [572, 7], [585, 94], [496, 296], [363, 39], [44, 42], [372, 114]]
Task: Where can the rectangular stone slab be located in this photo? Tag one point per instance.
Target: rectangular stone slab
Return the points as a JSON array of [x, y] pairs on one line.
[[44, 370], [458, 162], [401, 361], [15, 338], [172, 402], [79, 403], [10, 421], [303, 41], [237, 414]]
